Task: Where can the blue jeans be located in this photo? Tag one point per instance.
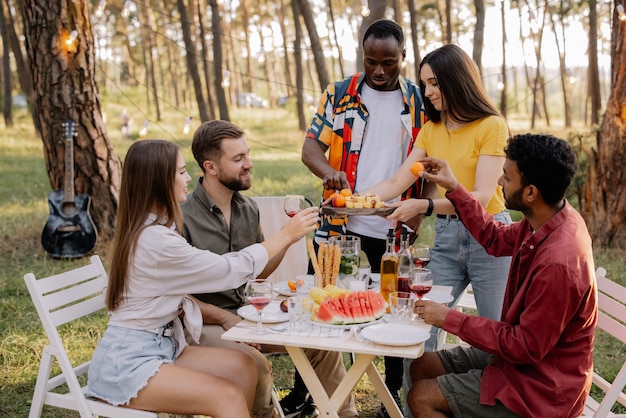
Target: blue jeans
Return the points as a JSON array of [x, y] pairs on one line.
[[457, 260]]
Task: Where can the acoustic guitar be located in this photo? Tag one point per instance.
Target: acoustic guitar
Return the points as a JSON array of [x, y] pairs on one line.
[[69, 231]]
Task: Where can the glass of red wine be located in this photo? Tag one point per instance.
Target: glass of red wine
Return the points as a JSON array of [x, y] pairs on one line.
[[259, 295], [293, 204], [421, 255], [421, 282]]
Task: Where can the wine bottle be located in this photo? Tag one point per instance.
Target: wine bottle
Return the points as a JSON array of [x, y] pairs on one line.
[[405, 262], [389, 268]]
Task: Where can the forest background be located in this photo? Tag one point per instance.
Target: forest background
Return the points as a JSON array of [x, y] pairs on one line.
[[263, 64]]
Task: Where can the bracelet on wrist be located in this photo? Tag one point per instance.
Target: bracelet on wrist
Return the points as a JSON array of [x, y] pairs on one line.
[[431, 206]]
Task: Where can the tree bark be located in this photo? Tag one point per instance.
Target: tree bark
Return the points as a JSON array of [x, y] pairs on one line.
[[148, 35], [316, 45], [593, 88], [65, 88], [218, 59], [23, 72], [297, 57], [6, 70], [192, 64], [416, 51], [605, 196], [479, 34]]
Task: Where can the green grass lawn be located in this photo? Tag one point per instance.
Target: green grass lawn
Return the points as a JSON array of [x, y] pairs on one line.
[[24, 188]]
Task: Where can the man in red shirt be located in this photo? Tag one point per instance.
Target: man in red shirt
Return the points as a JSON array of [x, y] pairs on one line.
[[537, 360]]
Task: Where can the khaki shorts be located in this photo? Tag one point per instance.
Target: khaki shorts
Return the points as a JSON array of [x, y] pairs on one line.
[[461, 386]]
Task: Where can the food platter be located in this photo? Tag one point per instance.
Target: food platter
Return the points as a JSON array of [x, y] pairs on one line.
[[331, 210]]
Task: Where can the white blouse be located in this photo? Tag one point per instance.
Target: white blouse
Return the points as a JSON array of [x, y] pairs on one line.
[[166, 269]]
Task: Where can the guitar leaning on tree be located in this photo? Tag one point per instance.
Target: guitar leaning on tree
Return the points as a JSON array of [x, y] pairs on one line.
[[69, 231]]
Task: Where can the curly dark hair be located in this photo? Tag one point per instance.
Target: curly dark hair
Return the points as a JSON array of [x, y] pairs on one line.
[[545, 161], [384, 28]]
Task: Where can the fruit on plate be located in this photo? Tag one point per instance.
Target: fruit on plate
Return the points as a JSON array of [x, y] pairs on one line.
[[351, 308], [416, 168], [292, 285], [345, 192], [283, 305], [339, 200]]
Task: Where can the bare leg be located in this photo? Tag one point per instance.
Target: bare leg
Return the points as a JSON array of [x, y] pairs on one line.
[[425, 398], [203, 380]]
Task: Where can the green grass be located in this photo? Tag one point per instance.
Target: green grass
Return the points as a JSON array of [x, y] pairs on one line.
[[24, 188]]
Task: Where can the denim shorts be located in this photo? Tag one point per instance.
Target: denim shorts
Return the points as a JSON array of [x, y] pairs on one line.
[[124, 361], [461, 384]]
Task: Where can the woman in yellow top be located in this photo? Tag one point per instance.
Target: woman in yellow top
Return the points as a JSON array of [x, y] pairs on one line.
[[465, 129]]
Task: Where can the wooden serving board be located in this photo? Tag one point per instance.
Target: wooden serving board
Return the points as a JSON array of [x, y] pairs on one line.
[[331, 210]]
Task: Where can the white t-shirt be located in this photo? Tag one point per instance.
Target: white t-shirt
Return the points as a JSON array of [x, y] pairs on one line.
[[384, 148]]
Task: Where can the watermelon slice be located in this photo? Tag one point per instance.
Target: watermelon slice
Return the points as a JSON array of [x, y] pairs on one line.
[[345, 305], [355, 308], [366, 307], [378, 304], [328, 314]]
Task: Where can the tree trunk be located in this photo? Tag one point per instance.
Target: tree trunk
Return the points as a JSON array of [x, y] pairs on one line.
[[605, 204], [561, 52], [65, 88], [283, 32], [190, 56], [6, 70], [218, 59], [316, 45], [23, 72], [503, 96], [333, 31], [479, 34], [297, 56], [377, 11], [148, 35], [205, 57], [593, 83], [416, 50]]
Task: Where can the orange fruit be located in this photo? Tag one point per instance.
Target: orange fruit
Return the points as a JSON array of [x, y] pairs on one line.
[[345, 192], [339, 200], [416, 168], [292, 285]]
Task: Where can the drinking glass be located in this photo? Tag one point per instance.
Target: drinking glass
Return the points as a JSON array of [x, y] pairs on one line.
[[401, 307], [350, 247], [421, 255], [421, 282], [293, 204], [259, 295]]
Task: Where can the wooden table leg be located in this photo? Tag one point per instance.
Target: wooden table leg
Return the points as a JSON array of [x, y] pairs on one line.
[[383, 392], [312, 382]]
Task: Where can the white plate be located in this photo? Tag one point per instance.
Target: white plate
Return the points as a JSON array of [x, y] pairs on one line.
[[271, 314], [348, 326], [439, 297], [395, 334], [282, 288]]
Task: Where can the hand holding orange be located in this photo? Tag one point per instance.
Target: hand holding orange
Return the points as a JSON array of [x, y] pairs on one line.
[[416, 168]]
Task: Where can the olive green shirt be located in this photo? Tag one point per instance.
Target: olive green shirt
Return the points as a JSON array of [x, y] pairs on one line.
[[205, 228]]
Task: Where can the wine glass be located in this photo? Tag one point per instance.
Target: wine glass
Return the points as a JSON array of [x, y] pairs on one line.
[[259, 295], [293, 204], [421, 255], [421, 282]]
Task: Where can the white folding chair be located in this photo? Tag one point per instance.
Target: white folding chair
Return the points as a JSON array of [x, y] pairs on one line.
[[60, 299], [273, 217], [611, 319]]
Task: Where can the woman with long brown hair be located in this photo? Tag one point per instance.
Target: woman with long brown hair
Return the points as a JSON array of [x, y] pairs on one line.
[[142, 360]]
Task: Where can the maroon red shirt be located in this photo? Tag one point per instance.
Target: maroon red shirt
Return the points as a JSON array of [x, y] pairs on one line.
[[543, 345]]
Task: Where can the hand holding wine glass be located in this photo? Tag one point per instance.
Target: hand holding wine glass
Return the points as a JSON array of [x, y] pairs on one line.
[[421, 282], [259, 295], [293, 204]]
